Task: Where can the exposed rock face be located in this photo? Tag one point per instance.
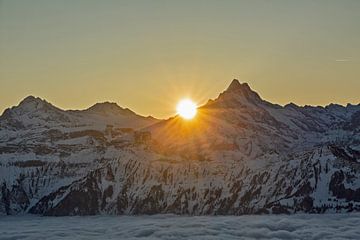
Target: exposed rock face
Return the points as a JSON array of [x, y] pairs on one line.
[[242, 155]]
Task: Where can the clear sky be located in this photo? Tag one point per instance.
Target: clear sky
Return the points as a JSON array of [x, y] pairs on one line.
[[146, 55]]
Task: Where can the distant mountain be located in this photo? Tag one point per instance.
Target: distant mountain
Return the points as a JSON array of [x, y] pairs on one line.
[[240, 155], [35, 112]]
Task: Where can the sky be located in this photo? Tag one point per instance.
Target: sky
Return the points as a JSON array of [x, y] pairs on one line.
[[147, 55]]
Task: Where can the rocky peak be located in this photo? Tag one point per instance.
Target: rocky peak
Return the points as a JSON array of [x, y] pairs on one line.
[[31, 100], [32, 111], [31, 104], [104, 105], [291, 105], [236, 86], [237, 93], [108, 108]]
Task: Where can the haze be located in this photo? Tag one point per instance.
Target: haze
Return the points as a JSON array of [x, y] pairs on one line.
[[147, 55]]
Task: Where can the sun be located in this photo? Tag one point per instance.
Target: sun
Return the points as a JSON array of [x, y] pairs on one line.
[[186, 109]]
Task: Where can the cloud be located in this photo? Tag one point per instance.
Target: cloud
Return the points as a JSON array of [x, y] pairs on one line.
[[342, 60], [310, 226]]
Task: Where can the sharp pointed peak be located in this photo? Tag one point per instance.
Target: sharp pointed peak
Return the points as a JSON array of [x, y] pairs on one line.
[[235, 85], [237, 93], [241, 88]]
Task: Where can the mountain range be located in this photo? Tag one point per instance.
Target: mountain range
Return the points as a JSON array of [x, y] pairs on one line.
[[240, 155]]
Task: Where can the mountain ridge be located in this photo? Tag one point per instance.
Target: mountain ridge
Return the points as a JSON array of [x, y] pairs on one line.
[[234, 86], [240, 155], [97, 106]]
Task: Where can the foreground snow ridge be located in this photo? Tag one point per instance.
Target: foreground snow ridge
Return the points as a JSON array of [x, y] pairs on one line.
[[240, 155]]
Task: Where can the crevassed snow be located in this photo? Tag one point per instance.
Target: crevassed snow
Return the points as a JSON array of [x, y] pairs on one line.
[[328, 226]]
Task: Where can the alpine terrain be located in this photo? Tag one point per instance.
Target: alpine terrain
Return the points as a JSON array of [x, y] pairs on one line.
[[239, 155]]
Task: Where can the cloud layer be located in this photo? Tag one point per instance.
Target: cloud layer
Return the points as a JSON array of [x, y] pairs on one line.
[[329, 226]]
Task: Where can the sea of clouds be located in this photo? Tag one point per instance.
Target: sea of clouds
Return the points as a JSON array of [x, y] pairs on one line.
[[327, 226]]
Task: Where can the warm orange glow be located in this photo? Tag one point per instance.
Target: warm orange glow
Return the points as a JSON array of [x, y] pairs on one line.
[[192, 138], [186, 109]]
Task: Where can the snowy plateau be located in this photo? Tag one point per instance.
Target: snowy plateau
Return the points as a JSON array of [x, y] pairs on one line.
[[241, 155]]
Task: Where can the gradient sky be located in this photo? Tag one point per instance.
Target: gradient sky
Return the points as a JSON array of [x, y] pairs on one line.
[[146, 55]]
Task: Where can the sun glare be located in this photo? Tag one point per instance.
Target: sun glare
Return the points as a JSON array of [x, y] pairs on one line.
[[186, 109]]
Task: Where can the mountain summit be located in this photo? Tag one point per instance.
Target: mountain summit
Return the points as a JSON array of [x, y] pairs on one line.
[[235, 85], [109, 108], [36, 112], [237, 94], [31, 103]]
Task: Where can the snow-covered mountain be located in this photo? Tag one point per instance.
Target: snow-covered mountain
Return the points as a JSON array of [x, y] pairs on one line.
[[34, 112], [240, 155]]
